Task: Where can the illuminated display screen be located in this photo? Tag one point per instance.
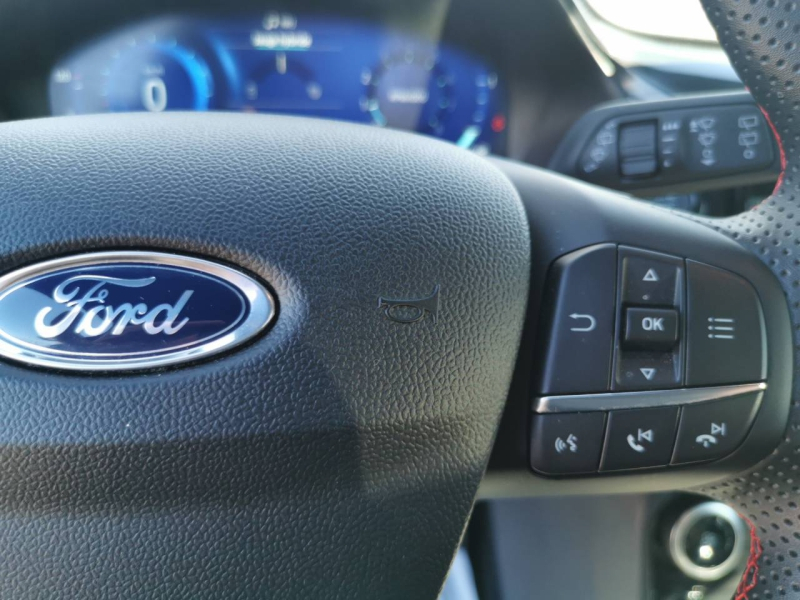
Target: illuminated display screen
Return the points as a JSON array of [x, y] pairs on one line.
[[282, 63]]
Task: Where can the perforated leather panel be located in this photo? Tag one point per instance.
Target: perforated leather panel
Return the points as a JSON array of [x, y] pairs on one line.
[[762, 38]]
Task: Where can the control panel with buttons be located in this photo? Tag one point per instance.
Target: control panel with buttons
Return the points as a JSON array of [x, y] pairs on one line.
[[653, 360], [678, 144], [650, 303], [686, 143]]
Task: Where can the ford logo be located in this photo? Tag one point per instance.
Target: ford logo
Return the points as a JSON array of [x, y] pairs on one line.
[[113, 311]]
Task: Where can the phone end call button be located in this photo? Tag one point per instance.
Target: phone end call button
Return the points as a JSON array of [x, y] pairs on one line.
[[712, 430]]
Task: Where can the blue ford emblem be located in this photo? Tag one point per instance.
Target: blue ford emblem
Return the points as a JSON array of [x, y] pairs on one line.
[[112, 311]]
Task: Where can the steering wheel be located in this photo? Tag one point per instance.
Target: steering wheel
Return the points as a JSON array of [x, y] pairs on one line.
[[338, 450], [760, 38]]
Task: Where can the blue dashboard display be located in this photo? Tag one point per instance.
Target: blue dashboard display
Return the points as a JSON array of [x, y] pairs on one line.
[[282, 63]]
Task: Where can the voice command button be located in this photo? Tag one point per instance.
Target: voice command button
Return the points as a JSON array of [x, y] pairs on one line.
[[567, 443]]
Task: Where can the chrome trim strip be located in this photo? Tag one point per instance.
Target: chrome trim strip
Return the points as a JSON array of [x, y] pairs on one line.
[[262, 312], [643, 399]]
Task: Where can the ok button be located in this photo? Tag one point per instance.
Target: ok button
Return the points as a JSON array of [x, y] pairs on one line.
[[651, 328]]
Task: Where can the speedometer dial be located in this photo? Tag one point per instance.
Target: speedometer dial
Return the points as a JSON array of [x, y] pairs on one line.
[[157, 76], [145, 70]]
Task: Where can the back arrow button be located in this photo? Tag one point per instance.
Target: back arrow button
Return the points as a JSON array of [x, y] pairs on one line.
[[588, 322], [580, 322]]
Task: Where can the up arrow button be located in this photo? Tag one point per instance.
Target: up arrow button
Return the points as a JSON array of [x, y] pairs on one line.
[[650, 279], [651, 275]]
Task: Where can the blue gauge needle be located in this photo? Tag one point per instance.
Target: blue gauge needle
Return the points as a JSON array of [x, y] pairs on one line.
[[469, 136]]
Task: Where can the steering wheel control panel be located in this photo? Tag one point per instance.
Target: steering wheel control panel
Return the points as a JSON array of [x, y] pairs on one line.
[[652, 145], [652, 360]]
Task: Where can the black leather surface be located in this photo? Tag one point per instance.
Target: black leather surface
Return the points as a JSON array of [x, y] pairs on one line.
[[762, 37], [336, 457]]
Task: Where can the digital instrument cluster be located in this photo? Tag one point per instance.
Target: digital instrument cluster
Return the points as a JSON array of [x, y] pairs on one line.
[[282, 63]]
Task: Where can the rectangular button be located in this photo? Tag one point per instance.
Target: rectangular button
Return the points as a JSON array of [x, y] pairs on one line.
[[650, 278], [638, 167], [725, 328], [637, 140], [712, 430], [647, 371], [567, 443], [651, 328], [582, 298], [639, 438]]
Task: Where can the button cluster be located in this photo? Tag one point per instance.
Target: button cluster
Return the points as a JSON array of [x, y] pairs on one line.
[[651, 303], [605, 441], [676, 145], [628, 321]]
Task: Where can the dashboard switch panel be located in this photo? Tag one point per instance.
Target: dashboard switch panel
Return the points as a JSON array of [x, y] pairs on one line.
[[678, 145], [567, 443], [639, 438], [726, 138], [714, 429], [600, 158], [726, 339], [583, 296]]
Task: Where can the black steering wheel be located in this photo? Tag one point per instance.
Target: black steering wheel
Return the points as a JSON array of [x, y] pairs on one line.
[[335, 450], [760, 38]]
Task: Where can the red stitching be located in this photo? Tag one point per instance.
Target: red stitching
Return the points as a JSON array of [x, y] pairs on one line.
[[750, 576], [780, 149]]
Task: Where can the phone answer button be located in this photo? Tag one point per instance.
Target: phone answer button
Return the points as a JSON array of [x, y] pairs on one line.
[[711, 430], [639, 438]]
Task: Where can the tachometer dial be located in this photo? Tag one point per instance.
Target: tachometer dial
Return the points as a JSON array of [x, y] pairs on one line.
[[409, 91]]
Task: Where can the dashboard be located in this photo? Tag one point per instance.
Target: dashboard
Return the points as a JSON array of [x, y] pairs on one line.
[[280, 62], [507, 77]]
